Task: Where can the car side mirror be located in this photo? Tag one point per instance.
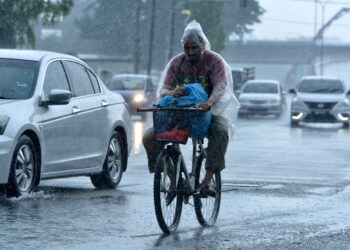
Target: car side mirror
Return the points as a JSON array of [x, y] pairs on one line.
[[57, 97], [292, 91]]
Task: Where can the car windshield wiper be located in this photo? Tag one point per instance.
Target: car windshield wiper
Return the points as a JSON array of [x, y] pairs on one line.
[[335, 91]]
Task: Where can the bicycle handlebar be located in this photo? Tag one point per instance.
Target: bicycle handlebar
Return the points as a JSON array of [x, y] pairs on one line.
[[156, 109]]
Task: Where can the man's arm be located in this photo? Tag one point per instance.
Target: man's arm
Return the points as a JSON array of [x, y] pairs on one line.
[[166, 90], [218, 91], [171, 85]]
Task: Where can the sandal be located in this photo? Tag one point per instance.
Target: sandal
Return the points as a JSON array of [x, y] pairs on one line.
[[205, 191]]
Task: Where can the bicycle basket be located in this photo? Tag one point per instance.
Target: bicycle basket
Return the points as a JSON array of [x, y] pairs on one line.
[[172, 126]]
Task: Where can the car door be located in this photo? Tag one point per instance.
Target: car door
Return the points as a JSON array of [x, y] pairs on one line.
[[59, 124], [94, 127]]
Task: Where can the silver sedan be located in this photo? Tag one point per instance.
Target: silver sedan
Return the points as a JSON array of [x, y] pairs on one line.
[[264, 97], [57, 119]]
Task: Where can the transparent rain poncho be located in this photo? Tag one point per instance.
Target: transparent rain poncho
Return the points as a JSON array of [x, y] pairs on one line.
[[227, 106]]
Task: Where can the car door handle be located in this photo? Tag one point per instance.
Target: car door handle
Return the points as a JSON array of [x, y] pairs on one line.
[[104, 103], [75, 109]]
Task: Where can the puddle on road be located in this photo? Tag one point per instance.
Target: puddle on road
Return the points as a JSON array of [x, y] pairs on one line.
[[272, 186]]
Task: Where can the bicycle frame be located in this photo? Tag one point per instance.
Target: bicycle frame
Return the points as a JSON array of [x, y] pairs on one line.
[[197, 149], [170, 191]]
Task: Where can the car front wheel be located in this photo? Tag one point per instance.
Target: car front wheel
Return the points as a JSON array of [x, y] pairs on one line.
[[112, 171], [23, 168]]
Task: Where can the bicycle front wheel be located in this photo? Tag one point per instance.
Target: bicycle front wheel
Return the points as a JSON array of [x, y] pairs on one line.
[[207, 209], [168, 215]]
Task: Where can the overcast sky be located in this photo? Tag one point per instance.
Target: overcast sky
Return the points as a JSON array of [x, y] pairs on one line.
[[285, 19]]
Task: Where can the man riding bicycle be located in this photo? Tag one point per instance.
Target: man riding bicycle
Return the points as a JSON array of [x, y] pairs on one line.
[[198, 64]]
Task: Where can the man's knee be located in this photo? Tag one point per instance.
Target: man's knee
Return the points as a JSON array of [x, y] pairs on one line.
[[148, 136]]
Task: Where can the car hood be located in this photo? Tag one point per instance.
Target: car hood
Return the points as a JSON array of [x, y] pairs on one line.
[[258, 96], [308, 97], [6, 105], [6, 101]]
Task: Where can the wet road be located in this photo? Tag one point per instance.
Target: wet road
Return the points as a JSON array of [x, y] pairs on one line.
[[283, 188]]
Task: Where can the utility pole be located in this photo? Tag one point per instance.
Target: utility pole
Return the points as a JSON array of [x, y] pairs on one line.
[[315, 18], [151, 38], [172, 30], [137, 41], [323, 5], [320, 33]]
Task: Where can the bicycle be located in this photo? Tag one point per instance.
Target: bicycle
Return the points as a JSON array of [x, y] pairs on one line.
[[171, 161]]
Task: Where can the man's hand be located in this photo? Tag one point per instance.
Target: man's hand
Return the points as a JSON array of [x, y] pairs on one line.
[[178, 91], [205, 105]]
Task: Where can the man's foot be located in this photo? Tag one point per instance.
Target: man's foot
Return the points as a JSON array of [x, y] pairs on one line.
[[205, 191], [170, 196]]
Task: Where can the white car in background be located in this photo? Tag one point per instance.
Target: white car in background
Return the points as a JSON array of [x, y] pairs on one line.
[[320, 99], [264, 97], [57, 119]]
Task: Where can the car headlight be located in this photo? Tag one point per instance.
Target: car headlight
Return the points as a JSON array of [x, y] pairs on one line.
[[3, 123], [139, 98], [343, 104]]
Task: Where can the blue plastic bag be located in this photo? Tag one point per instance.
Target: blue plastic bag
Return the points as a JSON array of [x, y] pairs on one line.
[[194, 94]]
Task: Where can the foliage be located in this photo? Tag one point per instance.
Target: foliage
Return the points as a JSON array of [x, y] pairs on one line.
[[109, 21], [219, 19], [17, 19], [209, 15], [111, 24], [238, 19]]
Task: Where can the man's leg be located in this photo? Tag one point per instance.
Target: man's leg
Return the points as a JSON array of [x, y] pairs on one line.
[[152, 147], [217, 145]]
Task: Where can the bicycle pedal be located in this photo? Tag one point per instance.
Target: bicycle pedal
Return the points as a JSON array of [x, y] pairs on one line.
[[186, 199], [197, 194]]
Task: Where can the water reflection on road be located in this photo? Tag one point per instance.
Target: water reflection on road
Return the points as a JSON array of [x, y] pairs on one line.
[[137, 136], [138, 128]]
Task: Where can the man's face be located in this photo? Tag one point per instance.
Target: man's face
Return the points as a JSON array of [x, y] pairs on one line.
[[192, 49]]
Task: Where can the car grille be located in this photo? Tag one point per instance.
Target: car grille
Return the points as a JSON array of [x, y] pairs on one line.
[[320, 105], [320, 118], [257, 101]]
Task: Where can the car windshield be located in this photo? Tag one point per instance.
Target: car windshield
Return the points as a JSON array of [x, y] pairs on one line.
[[127, 83], [323, 86], [17, 78], [260, 87]]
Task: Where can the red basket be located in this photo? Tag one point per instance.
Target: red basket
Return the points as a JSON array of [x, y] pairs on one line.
[[172, 126]]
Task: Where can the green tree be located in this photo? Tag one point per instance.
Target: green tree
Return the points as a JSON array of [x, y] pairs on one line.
[[109, 23], [238, 19], [209, 14], [17, 19], [112, 26], [219, 19]]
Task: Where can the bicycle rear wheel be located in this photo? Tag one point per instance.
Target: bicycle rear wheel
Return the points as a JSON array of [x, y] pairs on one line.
[[168, 216], [207, 209]]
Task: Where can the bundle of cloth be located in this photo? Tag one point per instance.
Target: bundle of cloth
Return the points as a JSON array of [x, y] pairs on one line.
[[194, 94]]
